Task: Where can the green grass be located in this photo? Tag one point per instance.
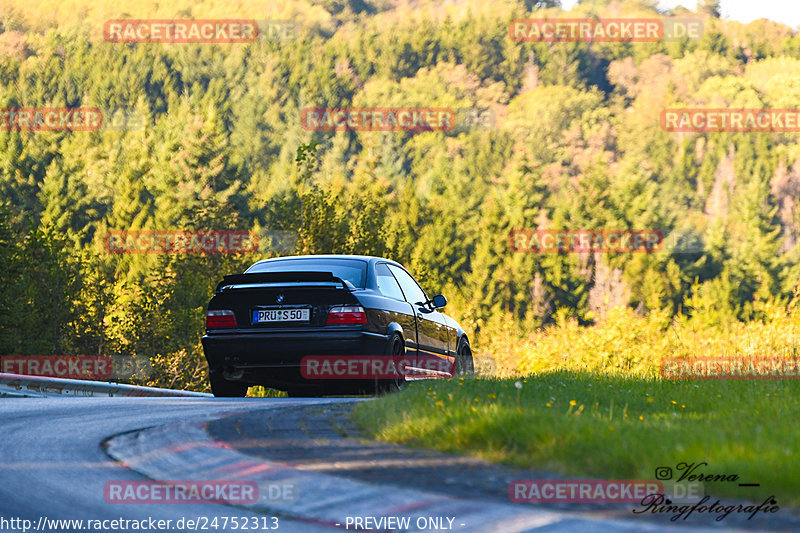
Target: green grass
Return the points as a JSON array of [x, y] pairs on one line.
[[263, 392], [606, 426]]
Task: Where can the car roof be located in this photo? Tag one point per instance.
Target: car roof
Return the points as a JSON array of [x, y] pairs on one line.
[[367, 258]]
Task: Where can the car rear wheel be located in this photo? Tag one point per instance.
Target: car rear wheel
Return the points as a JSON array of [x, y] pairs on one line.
[[222, 388], [397, 350], [464, 363]]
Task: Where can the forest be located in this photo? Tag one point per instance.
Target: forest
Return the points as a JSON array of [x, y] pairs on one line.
[[547, 136]]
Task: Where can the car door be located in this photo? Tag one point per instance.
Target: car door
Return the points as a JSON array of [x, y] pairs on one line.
[[452, 334], [398, 309], [432, 334]]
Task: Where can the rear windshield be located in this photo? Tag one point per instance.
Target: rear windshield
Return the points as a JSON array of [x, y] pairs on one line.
[[352, 270]]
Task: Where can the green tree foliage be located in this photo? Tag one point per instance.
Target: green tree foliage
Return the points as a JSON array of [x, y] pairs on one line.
[[571, 140]]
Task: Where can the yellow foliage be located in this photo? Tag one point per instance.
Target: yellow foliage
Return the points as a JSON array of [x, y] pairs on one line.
[[630, 344]]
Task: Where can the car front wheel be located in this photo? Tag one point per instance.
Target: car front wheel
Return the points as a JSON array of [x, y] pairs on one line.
[[464, 364]]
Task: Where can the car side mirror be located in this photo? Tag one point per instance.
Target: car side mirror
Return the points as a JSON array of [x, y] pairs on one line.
[[439, 301]]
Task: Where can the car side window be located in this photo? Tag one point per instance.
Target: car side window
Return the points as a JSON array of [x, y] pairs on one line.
[[387, 285], [413, 292]]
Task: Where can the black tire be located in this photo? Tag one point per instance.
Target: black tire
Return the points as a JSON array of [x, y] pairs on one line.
[[222, 388], [464, 364], [397, 350]]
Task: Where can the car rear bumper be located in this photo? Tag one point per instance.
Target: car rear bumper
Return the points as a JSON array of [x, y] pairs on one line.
[[273, 358]]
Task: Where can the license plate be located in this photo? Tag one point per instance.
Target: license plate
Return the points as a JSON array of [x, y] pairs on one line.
[[281, 315]]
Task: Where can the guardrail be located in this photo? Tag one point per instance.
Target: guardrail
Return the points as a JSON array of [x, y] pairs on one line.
[[17, 385]]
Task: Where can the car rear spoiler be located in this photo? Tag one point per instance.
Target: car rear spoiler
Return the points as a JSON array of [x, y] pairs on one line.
[[272, 279]]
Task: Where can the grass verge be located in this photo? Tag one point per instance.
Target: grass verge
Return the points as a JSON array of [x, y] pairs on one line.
[[607, 426]]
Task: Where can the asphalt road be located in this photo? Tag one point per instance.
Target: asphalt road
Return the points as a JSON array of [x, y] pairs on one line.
[[52, 464], [53, 467]]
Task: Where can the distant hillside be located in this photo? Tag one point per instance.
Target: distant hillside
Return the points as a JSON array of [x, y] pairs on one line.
[[549, 136]]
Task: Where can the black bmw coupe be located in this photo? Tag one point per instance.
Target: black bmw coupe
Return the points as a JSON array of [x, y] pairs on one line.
[[328, 324]]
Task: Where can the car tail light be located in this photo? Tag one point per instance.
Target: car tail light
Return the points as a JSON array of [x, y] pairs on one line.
[[220, 319], [347, 315]]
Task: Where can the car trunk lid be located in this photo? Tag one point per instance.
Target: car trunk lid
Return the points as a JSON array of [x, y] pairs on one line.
[[280, 300]]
